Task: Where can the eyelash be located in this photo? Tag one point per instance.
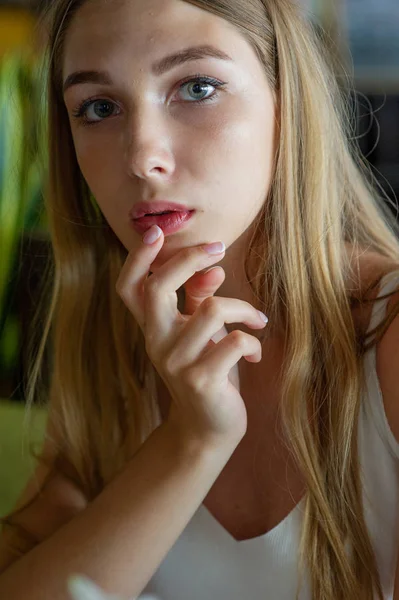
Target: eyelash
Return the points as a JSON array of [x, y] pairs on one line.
[[80, 112]]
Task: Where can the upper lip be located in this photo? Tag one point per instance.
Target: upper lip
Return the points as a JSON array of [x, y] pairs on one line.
[[145, 208]]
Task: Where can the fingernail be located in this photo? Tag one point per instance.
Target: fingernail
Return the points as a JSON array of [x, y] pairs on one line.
[[152, 235], [216, 248], [263, 316]]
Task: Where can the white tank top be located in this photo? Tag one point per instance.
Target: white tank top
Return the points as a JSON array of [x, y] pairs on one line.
[[206, 562]]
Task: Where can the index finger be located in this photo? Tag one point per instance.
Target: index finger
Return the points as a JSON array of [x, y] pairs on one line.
[[135, 270]]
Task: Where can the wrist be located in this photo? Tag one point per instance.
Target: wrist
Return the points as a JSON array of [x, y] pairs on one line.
[[195, 445]]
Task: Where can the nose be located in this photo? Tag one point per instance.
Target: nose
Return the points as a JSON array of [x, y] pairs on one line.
[[148, 144]]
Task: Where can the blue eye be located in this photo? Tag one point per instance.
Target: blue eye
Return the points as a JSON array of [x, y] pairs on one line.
[[103, 109], [200, 85]]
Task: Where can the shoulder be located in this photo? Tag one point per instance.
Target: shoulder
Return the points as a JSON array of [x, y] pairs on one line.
[[372, 269], [387, 366]]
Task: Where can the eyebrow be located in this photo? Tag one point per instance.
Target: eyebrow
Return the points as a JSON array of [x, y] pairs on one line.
[[160, 67]]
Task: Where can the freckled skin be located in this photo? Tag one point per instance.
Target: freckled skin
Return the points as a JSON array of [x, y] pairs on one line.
[[215, 157]]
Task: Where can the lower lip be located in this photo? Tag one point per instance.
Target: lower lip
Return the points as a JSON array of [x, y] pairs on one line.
[[168, 223]]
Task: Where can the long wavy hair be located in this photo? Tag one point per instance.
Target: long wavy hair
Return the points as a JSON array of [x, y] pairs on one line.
[[323, 200]]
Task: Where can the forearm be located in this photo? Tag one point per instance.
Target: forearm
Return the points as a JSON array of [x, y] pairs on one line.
[[121, 538]]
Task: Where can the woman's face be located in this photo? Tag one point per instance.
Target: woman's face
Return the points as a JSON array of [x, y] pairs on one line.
[[150, 139]]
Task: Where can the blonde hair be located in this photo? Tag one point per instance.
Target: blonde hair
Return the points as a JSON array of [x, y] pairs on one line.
[[102, 392]]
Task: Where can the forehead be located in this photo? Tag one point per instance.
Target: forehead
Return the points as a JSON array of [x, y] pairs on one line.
[[142, 29]]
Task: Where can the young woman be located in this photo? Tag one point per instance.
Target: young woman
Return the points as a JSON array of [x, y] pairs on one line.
[[193, 451]]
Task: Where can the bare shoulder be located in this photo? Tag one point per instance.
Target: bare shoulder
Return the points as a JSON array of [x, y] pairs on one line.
[[372, 269], [387, 366]]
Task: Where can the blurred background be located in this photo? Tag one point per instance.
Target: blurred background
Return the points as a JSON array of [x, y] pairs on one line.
[[363, 38]]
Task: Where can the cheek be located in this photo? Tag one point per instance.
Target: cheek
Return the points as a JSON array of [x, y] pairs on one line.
[[97, 161], [88, 157], [250, 139], [238, 150]]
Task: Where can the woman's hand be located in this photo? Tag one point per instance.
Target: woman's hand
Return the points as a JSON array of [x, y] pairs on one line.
[[205, 405]]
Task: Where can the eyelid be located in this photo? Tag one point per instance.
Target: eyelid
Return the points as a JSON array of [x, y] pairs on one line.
[[210, 80], [207, 79], [85, 104], [79, 111]]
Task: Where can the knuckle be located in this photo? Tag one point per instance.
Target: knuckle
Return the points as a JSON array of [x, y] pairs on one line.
[[197, 254], [237, 337], [152, 285], [195, 377], [210, 307], [189, 254], [170, 365], [193, 252], [244, 341]]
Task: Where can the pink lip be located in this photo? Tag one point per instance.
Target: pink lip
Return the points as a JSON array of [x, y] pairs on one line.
[[169, 223], [144, 208]]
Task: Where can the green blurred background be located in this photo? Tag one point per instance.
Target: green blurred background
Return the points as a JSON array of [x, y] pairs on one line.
[[24, 245], [351, 28]]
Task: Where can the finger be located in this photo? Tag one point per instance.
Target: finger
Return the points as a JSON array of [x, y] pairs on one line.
[[193, 341], [222, 358], [200, 286], [161, 301], [130, 283]]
